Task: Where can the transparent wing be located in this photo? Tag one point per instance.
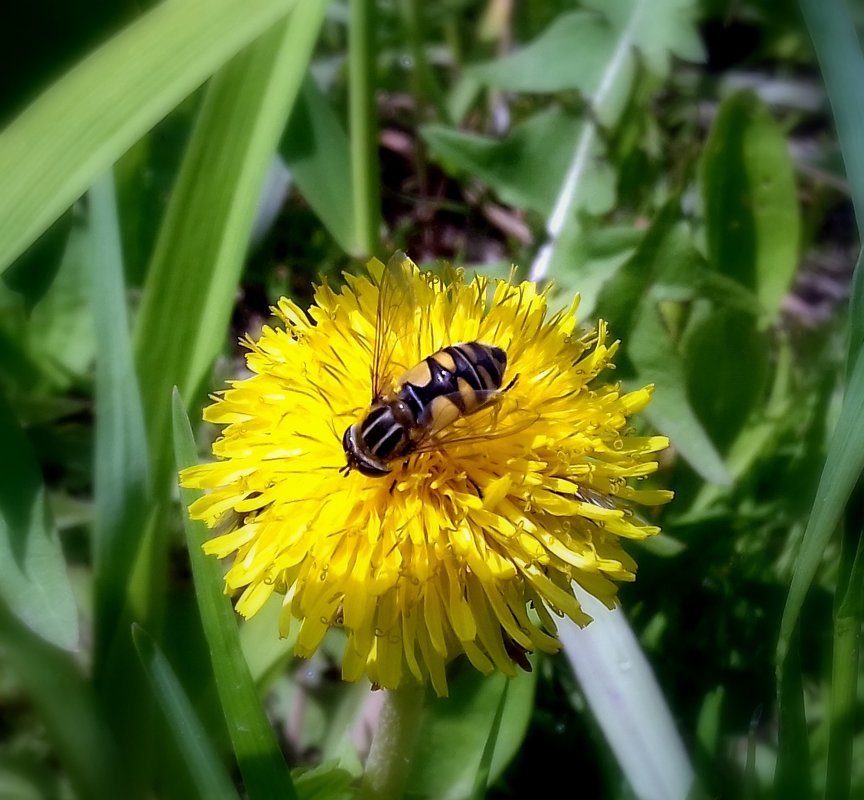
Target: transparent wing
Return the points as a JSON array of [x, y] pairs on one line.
[[494, 421], [395, 298]]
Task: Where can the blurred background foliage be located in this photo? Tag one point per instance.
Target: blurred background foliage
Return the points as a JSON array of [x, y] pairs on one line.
[[170, 170]]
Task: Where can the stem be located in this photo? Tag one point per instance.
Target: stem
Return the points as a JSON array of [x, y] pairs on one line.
[[847, 633], [364, 132], [389, 761]]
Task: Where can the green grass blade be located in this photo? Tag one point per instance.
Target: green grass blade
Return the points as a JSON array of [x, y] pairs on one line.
[[481, 780], [265, 773], [200, 253], [838, 50], [197, 750], [792, 774], [121, 458], [845, 668], [366, 174], [33, 579], [626, 701], [843, 467], [80, 125], [67, 707]]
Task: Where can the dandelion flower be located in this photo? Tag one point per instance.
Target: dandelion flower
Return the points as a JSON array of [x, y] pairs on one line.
[[471, 547]]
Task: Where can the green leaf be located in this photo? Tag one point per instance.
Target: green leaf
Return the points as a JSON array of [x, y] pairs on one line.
[[751, 208], [843, 467], [525, 169], [723, 349], [657, 361], [658, 29], [455, 730], [264, 771], [571, 53], [316, 150], [121, 459], [67, 706], [52, 151], [34, 271], [481, 779], [33, 579], [198, 753], [191, 285], [327, 781]]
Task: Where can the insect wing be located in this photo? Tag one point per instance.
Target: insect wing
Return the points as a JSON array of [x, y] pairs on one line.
[[494, 421], [395, 300]]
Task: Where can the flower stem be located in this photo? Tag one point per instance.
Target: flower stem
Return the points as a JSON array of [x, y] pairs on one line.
[[364, 131], [389, 761]]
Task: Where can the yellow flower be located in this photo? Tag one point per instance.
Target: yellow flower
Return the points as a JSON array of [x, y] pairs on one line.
[[469, 548]]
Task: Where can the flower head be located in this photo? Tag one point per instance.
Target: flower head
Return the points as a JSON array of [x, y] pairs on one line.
[[468, 546]]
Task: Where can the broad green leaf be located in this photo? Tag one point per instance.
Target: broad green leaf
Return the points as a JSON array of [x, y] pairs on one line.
[[315, 148], [264, 771], [658, 29], [572, 53], [78, 127], [751, 208], [591, 261], [57, 335], [724, 349], [665, 243], [525, 168], [657, 361], [198, 752], [68, 708], [455, 730], [191, 285], [327, 781], [33, 272], [121, 459], [843, 468], [33, 579]]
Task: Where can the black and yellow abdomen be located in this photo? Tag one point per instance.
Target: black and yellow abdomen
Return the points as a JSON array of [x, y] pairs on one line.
[[453, 382]]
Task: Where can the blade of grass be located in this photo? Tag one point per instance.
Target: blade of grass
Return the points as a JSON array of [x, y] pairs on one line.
[[626, 701], [843, 467], [264, 771], [838, 51], [845, 670], [198, 753], [363, 127], [199, 255], [792, 774], [121, 458], [481, 780], [67, 707], [80, 125]]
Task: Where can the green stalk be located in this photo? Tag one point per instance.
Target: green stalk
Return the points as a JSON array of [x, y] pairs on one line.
[[426, 88], [389, 762], [365, 175], [844, 678]]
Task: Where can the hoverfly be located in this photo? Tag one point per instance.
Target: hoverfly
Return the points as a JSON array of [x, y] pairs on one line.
[[451, 383]]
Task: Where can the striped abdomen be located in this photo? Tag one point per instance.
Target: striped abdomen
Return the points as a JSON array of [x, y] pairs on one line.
[[454, 382]]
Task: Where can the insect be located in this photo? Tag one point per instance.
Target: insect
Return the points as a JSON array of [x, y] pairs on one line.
[[451, 383]]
